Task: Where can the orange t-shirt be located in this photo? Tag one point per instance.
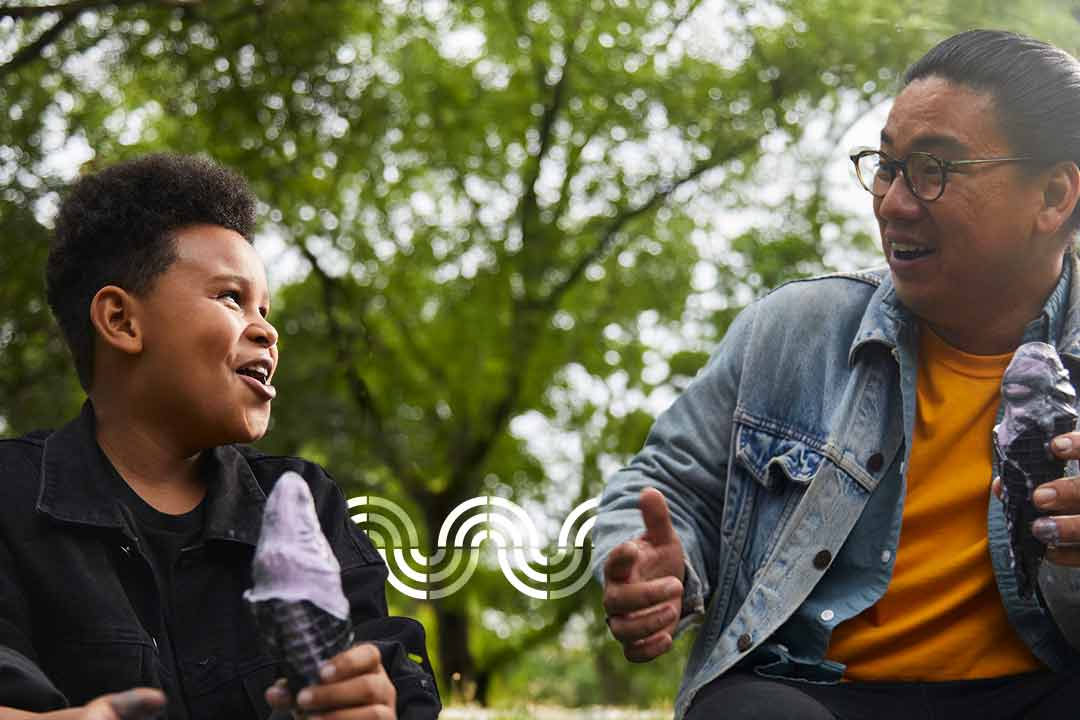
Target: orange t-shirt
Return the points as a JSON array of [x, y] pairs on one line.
[[941, 617]]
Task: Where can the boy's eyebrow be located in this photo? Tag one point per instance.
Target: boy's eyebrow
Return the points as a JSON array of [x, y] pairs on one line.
[[230, 277], [237, 279]]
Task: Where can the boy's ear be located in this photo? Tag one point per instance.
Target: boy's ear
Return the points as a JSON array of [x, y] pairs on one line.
[[1060, 195], [114, 317]]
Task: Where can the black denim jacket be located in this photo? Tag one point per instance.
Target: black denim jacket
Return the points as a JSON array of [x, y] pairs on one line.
[[80, 614]]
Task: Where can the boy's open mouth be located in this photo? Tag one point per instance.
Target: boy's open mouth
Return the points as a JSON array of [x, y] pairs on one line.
[[257, 376], [255, 372]]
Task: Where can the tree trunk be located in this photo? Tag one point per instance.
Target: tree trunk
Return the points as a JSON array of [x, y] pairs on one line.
[[457, 669]]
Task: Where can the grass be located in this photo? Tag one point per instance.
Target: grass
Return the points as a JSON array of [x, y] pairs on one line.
[[551, 712]]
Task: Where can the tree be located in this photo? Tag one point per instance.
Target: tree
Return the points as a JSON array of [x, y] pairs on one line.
[[496, 211]]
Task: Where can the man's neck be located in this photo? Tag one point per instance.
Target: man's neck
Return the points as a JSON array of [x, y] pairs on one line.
[[159, 471]]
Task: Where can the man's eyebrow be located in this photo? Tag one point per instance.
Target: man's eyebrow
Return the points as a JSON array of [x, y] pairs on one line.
[[931, 142]]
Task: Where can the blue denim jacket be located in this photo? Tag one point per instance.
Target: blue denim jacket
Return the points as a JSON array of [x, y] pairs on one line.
[[783, 467]]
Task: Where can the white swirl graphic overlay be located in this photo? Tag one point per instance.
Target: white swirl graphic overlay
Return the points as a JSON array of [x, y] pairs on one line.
[[532, 571]]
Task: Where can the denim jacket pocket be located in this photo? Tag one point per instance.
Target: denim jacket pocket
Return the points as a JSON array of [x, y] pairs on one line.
[[773, 457], [771, 468]]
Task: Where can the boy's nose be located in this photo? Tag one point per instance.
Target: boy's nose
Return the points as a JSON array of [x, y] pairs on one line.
[[263, 333]]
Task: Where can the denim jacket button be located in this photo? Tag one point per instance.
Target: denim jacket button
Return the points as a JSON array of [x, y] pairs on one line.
[[745, 641], [822, 559], [875, 462]]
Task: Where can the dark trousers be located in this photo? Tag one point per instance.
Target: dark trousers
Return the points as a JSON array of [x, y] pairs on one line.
[[746, 696]]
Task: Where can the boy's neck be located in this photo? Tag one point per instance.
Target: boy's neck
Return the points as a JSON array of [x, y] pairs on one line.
[[158, 471]]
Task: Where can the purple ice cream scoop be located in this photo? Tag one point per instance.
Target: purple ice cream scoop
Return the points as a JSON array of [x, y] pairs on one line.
[[1039, 404], [297, 600]]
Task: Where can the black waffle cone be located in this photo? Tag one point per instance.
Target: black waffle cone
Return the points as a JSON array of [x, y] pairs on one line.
[[302, 635], [1025, 464]]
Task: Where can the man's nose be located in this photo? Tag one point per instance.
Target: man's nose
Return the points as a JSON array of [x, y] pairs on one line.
[[899, 203]]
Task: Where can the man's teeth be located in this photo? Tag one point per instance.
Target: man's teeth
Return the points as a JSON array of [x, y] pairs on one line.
[[905, 247]]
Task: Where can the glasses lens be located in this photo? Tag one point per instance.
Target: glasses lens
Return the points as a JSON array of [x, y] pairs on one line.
[[926, 174], [874, 174]]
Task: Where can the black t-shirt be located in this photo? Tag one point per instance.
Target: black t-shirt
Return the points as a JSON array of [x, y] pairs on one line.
[[167, 536]]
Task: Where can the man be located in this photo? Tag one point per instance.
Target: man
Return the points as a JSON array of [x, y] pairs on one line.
[[820, 498], [126, 537]]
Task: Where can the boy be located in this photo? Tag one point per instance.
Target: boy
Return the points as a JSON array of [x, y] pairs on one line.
[[126, 537]]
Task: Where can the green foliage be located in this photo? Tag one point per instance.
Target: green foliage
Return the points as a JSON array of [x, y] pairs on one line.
[[494, 211]]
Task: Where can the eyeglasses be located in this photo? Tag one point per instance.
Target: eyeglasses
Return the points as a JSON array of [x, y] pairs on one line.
[[924, 173]]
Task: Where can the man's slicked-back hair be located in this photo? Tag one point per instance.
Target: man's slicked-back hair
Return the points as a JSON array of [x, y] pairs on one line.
[[116, 227], [1035, 87]]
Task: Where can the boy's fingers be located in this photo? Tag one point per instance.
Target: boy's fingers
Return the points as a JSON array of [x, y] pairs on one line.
[[278, 695], [137, 703], [356, 660]]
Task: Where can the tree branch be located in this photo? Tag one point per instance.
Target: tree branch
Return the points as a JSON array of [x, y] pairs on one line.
[[22, 12], [610, 233], [433, 371], [384, 447], [33, 51]]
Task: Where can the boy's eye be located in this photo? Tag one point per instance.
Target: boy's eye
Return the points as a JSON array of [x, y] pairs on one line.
[[232, 295]]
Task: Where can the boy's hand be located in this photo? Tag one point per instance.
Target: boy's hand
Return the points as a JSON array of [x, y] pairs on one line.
[[355, 686], [643, 584], [135, 704]]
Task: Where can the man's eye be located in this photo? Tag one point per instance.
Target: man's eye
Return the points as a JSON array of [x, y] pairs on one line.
[[232, 295]]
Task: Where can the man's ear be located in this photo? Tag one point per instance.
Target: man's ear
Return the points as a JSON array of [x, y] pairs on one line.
[[113, 313], [1061, 190]]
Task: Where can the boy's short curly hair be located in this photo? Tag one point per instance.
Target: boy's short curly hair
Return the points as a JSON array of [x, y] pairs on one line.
[[116, 227]]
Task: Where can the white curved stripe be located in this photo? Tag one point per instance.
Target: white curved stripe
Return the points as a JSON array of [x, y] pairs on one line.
[[506, 528], [398, 512], [419, 558], [568, 524], [403, 566], [571, 589], [381, 521], [583, 532], [469, 524], [405, 589], [444, 529], [526, 569], [508, 572], [474, 560], [455, 561], [519, 513], [571, 568]]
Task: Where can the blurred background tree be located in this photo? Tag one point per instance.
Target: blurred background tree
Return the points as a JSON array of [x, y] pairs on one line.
[[503, 234]]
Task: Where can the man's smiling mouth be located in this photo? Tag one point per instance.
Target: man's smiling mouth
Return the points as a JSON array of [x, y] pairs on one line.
[[909, 251]]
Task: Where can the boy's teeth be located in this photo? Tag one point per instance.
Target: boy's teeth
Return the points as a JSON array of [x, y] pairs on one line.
[[905, 247]]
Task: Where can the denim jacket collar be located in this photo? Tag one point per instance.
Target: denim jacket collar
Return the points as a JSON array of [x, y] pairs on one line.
[[77, 477], [883, 319], [885, 315]]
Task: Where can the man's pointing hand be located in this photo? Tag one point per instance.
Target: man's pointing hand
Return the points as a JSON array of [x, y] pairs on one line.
[[643, 584]]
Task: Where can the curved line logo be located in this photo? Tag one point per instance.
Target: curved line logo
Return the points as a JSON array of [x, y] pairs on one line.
[[524, 563]]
